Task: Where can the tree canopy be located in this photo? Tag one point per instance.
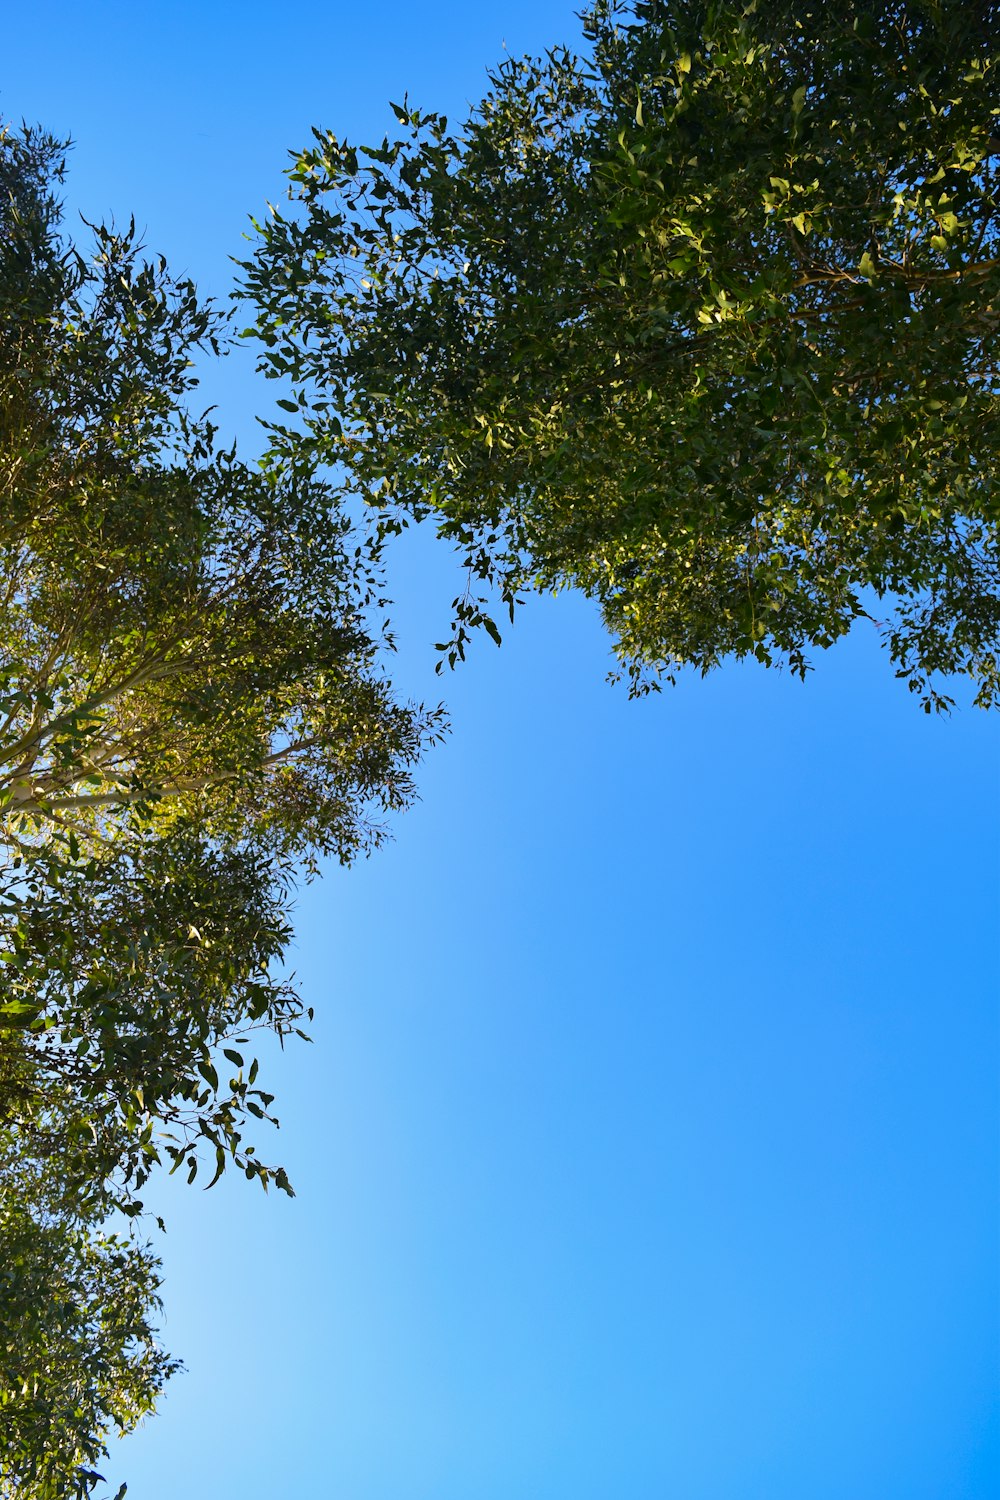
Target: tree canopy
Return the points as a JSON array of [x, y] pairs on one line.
[[193, 711], [192, 705], [79, 1356], [702, 321]]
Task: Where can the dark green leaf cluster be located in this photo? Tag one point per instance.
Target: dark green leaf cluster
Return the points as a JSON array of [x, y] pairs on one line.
[[703, 323], [129, 980], [78, 1351]]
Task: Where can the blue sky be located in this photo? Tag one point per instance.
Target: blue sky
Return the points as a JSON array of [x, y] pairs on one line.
[[648, 1146]]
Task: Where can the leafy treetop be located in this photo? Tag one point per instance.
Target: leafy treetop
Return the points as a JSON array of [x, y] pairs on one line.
[[192, 707], [702, 322]]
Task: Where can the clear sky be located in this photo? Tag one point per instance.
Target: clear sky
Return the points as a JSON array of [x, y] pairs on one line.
[[648, 1147]]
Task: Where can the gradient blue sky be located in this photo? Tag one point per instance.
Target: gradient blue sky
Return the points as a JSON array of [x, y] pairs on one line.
[[648, 1147]]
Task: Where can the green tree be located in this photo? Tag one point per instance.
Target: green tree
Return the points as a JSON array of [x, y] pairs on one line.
[[192, 706], [192, 711], [134, 982], [703, 322], [79, 1358]]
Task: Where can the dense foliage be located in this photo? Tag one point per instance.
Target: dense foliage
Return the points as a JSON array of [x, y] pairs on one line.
[[703, 322], [190, 698], [78, 1352], [192, 710]]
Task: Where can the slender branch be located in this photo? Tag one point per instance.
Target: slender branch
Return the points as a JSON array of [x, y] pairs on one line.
[[180, 787], [156, 671]]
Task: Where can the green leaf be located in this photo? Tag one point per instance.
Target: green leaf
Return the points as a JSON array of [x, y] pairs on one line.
[[207, 1071]]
